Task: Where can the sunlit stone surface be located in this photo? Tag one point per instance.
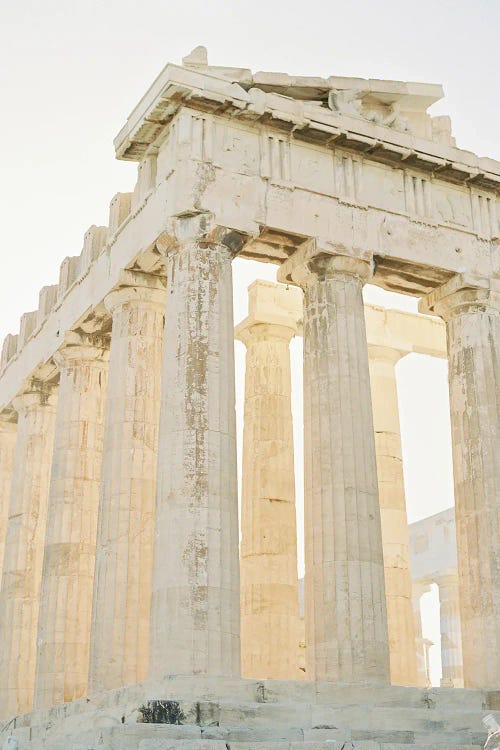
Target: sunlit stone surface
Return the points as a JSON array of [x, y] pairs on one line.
[[336, 181]]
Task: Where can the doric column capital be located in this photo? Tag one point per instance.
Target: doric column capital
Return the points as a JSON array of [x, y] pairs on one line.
[[312, 262], [447, 581], [378, 353], [139, 288], [249, 331], [462, 293], [274, 312], [35, 393], [203, 229], [82, 347]]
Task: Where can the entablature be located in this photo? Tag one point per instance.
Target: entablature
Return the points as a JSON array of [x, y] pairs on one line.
[[260, 100], [259, 156]]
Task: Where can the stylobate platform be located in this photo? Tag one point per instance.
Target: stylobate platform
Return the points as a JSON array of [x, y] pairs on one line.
[[201, 713]]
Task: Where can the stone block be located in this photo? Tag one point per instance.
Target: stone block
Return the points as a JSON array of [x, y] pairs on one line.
[[327, 733], [265, 734], [215, 733], [46, 301], [67, 274], [119, 209], [265, 714], [9, 348], [146, 179], [163, 744], [381, 735], [93, 242], [200, 712], [26, 328]]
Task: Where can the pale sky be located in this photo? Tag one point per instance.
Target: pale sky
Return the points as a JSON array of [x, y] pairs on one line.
[[70, 73]]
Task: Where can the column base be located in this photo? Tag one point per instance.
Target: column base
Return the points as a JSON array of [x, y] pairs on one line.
[[205, 713]]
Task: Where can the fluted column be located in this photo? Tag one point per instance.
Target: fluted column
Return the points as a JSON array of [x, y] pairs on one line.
[[195, 601], [8, 431], [418, 590], [24, 545], [451, 635], [345, 598], [471, 308], [68, 569], [119, 653], [270, 623], [395, 535]]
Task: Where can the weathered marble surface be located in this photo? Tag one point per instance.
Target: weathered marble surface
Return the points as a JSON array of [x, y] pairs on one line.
[[346, 618], [195, 608], [337, 181], [270, 623], [63, 638], [208, 713], [24, 546], [471, 309]]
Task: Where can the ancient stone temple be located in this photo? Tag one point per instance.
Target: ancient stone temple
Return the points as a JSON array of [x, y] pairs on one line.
[[124, 621]]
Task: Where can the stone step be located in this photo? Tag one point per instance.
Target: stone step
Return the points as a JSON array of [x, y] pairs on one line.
[[158, 744], [363, 717], [264, 724], [92, 725], [243, 737], [185, 737]]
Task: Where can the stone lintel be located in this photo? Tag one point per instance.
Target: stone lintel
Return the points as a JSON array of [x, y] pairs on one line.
[[422, 585], [403, 332], [406, 332], [272, 304]]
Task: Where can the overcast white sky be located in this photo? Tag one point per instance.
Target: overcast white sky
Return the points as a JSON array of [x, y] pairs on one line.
[[70, 73]]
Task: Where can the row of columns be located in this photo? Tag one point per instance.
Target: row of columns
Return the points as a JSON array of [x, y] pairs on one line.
[[96, 516], [195, 606], [268, 545]]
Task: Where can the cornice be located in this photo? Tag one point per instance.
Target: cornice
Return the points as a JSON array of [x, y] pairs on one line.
[[178, 87]]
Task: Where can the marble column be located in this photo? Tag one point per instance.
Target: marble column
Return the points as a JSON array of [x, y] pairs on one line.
[[346, 617], [451, 635], [24, 545], [68, 569], [270, 622], [119, 651], [421, 650], [195, 601], [8, 431], [395, 535], [471, 309]]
